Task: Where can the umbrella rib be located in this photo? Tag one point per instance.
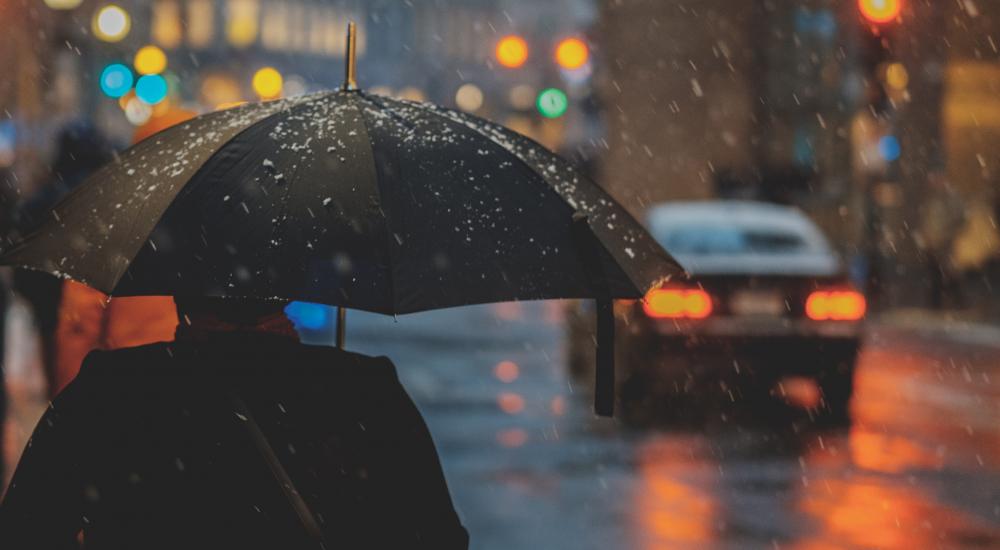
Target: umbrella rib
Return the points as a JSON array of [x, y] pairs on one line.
[[385, 218]]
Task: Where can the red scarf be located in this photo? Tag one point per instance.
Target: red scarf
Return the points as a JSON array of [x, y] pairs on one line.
[[202, 328]]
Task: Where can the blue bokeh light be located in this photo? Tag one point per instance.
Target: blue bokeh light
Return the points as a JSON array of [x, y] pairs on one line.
[[309, 316], [888, 147], [116, 80], [151, 89]]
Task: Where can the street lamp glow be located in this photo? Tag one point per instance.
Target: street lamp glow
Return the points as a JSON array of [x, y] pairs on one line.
[[469, 98], [267, 83], [512, 51], [552, 103], [572, 53], [111, 23], [116, 80], [880, 11], [151, 89], [150, 60]]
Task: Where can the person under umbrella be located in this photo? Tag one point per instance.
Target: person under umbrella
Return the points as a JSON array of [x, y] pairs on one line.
[[233, 436], [352, 200]]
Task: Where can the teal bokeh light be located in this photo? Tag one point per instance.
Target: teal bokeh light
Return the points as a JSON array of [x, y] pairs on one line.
[[116, 80], [151, 89]]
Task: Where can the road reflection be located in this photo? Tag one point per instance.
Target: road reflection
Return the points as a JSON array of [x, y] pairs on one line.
[[908, 473], [677, 503]]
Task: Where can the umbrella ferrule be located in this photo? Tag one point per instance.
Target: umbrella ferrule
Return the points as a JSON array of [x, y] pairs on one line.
[[350, 63]]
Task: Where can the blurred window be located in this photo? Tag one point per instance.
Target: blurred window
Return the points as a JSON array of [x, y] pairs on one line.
[[166, 24], [241, 25], [200, 23], [274, 31], [732, 240]]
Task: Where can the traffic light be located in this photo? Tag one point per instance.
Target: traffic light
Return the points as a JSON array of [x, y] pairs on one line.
[[552, 103], [572, 53], [880, 11], [512, 51], [116, 80]]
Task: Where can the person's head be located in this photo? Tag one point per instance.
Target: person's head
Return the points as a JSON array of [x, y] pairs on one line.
[[230, 313]]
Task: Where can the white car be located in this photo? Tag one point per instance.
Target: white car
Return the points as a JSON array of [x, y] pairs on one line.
[[767, 299]]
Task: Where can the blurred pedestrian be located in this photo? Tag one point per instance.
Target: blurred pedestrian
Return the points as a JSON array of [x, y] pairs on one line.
[[8, 203], [80, 150], [943, 217], [73, 319], [236, 435]]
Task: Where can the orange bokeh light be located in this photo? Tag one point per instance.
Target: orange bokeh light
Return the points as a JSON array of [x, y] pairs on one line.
[[836, 305], [572, 53], [510, 403], [880, 11], [512, 437], [674, 303], [512, 51], [506, 371]]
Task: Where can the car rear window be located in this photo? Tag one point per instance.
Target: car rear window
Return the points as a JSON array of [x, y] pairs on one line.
[[731, 240]]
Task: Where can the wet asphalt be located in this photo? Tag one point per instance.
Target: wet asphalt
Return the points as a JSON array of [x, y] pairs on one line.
[[530, 466]]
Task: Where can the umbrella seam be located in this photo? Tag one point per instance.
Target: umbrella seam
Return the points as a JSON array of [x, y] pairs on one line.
[[381, 203]]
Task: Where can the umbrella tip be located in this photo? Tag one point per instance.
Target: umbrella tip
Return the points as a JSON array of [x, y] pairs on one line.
[[350, 71]]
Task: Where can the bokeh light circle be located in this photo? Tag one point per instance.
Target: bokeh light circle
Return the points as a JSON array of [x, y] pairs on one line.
[[469, 97], [151, 89], [116, 80], [572, 53], [63, 4], [512, 51], [552, 103], [150, 60], [880, 11], [111, 23], [267, 83]]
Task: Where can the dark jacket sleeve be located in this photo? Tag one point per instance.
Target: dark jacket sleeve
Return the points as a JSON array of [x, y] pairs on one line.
[[43, 507], [412, 462]]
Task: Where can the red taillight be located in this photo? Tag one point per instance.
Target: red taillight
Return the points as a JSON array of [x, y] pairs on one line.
[[836, 305], [677, 303]]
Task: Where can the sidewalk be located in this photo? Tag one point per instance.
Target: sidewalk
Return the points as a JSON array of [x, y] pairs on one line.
[[25, 385]]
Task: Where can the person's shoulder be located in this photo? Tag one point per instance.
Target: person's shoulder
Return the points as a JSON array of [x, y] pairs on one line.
[[100, 361], [347, 362]]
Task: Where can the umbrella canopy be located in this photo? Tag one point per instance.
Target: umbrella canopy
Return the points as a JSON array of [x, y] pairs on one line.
[[353, 200], [347, 199]]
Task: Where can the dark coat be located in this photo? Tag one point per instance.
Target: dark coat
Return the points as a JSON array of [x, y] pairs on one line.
[[143, 450]]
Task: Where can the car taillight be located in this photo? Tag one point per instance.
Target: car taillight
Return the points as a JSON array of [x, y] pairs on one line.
[[677, 303], [836, 305]]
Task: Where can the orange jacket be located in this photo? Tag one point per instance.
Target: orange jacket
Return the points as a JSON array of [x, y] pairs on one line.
[[89, 321]]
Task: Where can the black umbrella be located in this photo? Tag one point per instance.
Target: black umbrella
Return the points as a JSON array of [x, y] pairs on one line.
[[354, 200]]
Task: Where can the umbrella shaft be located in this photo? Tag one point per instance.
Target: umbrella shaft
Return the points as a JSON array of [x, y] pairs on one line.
[[341, 326]]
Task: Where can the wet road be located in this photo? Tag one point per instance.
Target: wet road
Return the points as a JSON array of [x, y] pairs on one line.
[[530, 467]]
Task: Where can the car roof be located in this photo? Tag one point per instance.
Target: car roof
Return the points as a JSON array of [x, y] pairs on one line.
[[816, 257], [730, 213]]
